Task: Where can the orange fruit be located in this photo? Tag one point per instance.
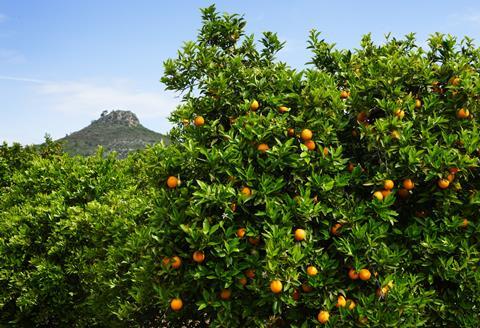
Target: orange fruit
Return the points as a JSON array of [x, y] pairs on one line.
[[296, 294], [381, 292], [364, 274], [307, 288], [465, 223], [362, 117], [385, 193], [172, 182], [283, 109], [250, 273], [241, 232], [443, 183], [246, 191], [312, 271], [176, 304], [454, 80], [323, 316], [453, 170], [310, 144], [243, 281], [344, 94], [408, 184], [199, 121], [399, 113], [418, 103], [451, 177], [351, 304], [198, 256], [403, 193], [254, 105], [300, 234], [388, 185], [306, 134], [291, 132], [335, 229], [263, 147], [463, 113], [352, 274], [177, 262], [276, 286], [325, 151], [341, 301], [165, 261], [378, 195], [225, 294], [395, 134]]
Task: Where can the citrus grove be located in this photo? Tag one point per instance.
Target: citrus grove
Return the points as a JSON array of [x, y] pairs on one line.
[[341, 195]]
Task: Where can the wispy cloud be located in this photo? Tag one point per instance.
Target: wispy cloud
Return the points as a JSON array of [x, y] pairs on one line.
[[3, 18]]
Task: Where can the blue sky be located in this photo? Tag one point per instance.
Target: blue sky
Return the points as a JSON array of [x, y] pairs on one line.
[[62, 62]]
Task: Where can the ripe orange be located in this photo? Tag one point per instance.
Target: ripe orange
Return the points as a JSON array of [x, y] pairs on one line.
[[276, 286], [172, 182], [177, 262], [352, 274], [388, 185], [199, 121], [325, 151], [465, 223], [243, 281], [310, 144], [463, 113], [296, 294], [408, 184], [454, 80], [418, 103], [323, 316], [335, 229], [300, 234], [198, 256], [246, 191], [362, 117], [453, 170], [254, 105], [283, 109], [385, 193], [381, 292], [176, 304], [443, 183], [399, 113], [306, 134], [225, 294], [263, 147], [291, 132], [344, 94], [351, 304], [312, 271], [241, 232], [451, 177], [250, 273], [364, 274], [403, 193], [306, 287], [341, 301], [378, 195]]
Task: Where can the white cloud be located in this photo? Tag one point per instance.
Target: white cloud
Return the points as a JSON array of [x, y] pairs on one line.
[[79, 98]]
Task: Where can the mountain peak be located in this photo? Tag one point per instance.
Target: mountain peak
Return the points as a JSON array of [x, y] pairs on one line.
[[118, 117]]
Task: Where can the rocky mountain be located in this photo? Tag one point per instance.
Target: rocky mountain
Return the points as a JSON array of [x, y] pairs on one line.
[[118, 131]]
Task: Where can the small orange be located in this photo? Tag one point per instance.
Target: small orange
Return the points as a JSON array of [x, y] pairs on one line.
[[199, 121], [312, 271], [451, 177], [341, 301], [364, 274], [291, 132], [225, 294], [276, 286], [381, 292], [351, 304], [176, 304], [454, 80], [463, 113], [443, 183], [335, 229], [241, 232], [177, 262], [250, 273], [243, 281], [395, 134], [172, 182], [323, 316], [198, 256], [246, 191], [399, 113], [263, 148], [403, 193], [408, 184], [310, 144], [165, 261], [362, 117], [300, 234], [307, 288], [378, 195], [388, 185], [344, 94], [453, 170], [465, 223], [385, 193], [306, 134], [325, 151], [418, 103], [352, 274], [283, 109], [254, 105]]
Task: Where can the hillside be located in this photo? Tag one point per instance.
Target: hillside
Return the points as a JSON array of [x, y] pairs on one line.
[[118, 131]]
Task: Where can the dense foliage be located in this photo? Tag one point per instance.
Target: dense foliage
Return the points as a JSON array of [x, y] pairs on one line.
[[274, 205]]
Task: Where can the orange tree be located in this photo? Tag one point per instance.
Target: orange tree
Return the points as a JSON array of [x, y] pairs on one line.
[[343, 194]]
